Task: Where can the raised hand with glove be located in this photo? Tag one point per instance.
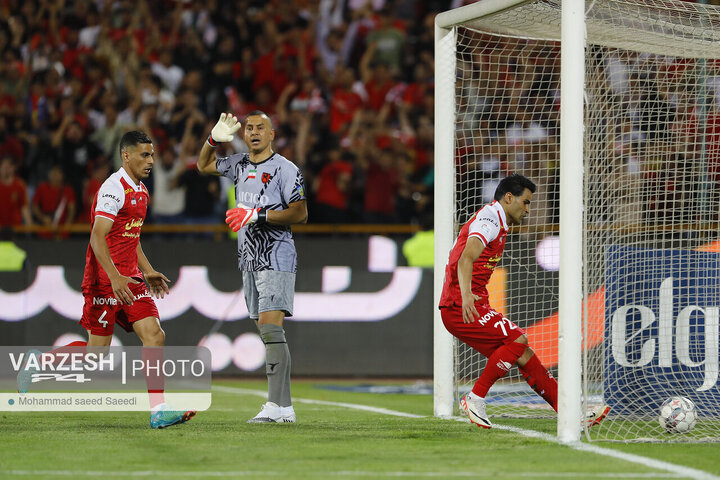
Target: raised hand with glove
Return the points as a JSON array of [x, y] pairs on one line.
[[238, 217], [224, 129]]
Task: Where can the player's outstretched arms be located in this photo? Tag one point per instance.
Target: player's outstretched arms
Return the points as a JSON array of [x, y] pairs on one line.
[[223, 131]]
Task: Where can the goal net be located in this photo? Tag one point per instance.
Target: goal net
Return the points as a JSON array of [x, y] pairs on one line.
[[651, 254]]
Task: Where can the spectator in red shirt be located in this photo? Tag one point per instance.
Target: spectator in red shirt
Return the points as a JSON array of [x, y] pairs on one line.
[[54, 201], [14, 208], [332, 189], [345, 101], [377, 78], [100, 173], [381, 183]]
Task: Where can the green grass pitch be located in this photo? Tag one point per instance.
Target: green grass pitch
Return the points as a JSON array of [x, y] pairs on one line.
[[330, 440]]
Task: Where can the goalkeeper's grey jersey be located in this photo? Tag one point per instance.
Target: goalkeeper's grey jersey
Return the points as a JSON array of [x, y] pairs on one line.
[[274, 184]]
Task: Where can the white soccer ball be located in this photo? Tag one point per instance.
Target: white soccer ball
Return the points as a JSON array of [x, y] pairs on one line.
[[677, 415]]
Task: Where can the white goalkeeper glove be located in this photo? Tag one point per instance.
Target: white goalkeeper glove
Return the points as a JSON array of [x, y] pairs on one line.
[[238, 217], [224, 129]]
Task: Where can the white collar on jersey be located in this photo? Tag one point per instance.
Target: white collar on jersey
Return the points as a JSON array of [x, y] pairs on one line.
[[127, 178], [501, 211]]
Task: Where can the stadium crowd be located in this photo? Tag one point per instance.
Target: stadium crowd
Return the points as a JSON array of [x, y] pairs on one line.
[[347, 83]]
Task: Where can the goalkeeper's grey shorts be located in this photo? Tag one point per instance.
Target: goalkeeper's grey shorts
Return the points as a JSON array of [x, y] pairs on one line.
[[269, 290]]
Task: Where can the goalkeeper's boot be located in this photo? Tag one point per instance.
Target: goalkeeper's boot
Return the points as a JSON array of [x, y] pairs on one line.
[[165, 417], [25, 374], [596, 416], [272, 413], [474, 407]]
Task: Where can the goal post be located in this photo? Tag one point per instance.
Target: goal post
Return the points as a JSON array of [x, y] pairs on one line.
[[612, 107]]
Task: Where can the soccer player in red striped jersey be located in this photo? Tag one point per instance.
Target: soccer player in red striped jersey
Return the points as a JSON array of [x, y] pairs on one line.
[[465, 308]]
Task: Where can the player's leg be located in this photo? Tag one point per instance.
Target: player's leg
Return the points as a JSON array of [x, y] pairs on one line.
[[496, 338], [538, 377], [274, 299], [142, 318], [152, 337]]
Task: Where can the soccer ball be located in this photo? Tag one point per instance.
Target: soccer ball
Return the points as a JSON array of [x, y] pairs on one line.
[[677, 415]]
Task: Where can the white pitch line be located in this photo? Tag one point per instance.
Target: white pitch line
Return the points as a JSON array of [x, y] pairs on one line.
[[354, 406], [580, 446], [318, 474]]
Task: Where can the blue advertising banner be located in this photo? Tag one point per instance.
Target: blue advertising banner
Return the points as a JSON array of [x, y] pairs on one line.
[[661, 328]]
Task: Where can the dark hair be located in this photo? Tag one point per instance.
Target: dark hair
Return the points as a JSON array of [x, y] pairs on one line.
[[515, 184], [259, 113], [133, 138]]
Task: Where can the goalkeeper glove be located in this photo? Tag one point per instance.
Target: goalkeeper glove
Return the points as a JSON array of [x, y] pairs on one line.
[[224, 129], [238, 217]]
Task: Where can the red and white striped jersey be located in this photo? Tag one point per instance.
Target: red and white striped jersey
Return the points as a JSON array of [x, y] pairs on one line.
[[489, 224], [124, 202]]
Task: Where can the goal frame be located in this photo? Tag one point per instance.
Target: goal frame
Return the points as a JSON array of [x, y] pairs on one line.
[[573, 42]]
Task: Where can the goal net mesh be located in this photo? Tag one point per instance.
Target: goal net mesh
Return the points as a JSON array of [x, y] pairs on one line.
[[651, 264]]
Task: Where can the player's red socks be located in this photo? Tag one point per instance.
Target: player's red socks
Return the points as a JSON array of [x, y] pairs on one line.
[[541, 380], [153, 358], [498, 365]]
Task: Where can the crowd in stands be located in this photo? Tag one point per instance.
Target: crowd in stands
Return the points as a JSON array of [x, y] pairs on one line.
[[349, 87], [347, 83]]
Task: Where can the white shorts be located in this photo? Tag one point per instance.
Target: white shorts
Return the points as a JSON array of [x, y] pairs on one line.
[[269, 290]]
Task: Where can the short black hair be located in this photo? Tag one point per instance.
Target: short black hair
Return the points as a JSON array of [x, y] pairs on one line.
[[259, 113], [133, 138], [515, 184]]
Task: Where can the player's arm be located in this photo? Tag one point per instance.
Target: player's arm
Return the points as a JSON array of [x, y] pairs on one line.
[[207, 161], [473, 249], [98, 243], [238, 217], [157, 282], [294, 214], [223, 131]]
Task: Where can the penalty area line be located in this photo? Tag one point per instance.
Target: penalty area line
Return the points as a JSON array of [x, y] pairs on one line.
[[680, 470]]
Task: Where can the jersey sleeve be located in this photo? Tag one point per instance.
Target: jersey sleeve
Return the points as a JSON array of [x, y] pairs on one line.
[[226, 167], [293, 185], [110, 199], [484, 227]]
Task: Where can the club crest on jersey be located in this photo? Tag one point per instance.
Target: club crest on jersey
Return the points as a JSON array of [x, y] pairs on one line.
[[252, 173], [266, 177]]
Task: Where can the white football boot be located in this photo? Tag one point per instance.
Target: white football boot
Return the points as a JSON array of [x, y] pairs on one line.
[[272, 413], [474, 407]]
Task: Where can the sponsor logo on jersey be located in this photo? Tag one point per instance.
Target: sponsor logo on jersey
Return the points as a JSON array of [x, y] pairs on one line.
[[301, 190], [253, 199], [485, 229], [134, 223], [111, 196], [128, 190]]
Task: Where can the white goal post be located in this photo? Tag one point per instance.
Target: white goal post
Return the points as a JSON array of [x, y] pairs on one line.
[[612, 107]]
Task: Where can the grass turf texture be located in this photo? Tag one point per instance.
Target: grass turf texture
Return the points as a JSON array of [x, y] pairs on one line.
[[327, 442]]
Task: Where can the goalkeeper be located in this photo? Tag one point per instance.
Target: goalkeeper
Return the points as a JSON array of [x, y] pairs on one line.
[[467, 314], [270, 198]]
